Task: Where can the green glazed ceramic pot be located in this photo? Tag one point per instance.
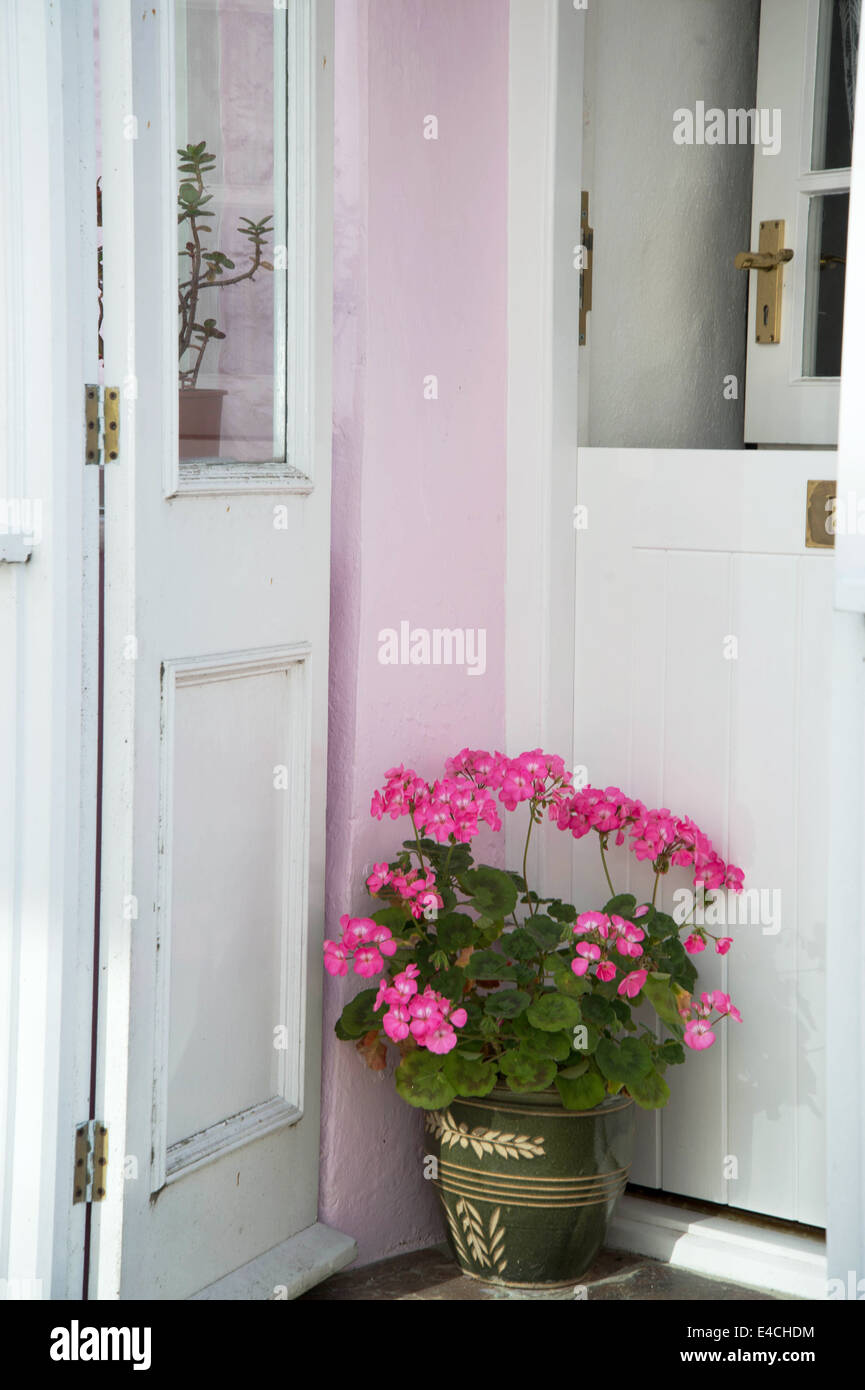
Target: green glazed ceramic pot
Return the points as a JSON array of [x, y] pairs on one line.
[[528, 1188]]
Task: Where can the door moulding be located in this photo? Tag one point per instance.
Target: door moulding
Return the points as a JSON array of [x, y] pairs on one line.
[[174, 1160]]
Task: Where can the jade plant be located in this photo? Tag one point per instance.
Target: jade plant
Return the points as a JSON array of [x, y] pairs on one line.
[[206, 267], [486, 983]]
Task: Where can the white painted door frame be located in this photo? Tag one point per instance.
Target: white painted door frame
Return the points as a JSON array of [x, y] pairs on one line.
[[545, 105], [47, 631], [845, 1043]]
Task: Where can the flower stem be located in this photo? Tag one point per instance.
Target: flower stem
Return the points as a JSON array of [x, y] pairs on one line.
[[417, 841], [525, 859], [606, 870]]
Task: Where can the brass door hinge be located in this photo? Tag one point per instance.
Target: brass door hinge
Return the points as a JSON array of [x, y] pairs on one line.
[[102, 424], [587, 246], [91, 1162]]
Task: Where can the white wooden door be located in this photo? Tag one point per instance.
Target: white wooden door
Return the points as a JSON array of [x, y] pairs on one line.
[[216, 649], [805, 83], [703, 641]]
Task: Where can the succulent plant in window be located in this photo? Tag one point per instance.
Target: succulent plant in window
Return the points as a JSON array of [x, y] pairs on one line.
[[203, 267]]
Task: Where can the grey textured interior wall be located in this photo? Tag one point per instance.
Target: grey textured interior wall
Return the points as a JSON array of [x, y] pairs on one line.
[[668, 318]]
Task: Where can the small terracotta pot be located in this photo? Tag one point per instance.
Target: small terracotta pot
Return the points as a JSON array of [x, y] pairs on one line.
[[528, 1188], [200, 422]]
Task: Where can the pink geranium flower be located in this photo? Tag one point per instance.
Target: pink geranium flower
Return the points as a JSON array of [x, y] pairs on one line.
[[698, 1034], [368, 961], [633, 983], [694, 944], [405, 983], [356, 930], [378, 879], [591, 921], [396, 1022], [335, 962], [721, 1002], [606, 970], [723, 944], [441, 1039], [589, 950]]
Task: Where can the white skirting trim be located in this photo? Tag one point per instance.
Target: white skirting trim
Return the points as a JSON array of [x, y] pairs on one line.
[[740, 1251], [287, 1270]]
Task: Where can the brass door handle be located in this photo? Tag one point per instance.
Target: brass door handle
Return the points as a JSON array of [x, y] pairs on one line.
[[768, 260], [762, 260]]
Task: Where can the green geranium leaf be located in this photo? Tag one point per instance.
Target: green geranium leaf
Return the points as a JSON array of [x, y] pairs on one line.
[[508, 1003], [623, 1062], [672, 1052], [562, 912], [489, 965], [659, 993], [526, 974], [526, 1071], [519, 944], [357, 1017], [581, 1092], [545, 933], [450, 983], [490, 929], [545, 1044], [421, 1081], [392, 917], [553, 1012], [575, 1069], [566, 982], [492, 891], [622, 1009], [650, 1092], [622, 905], [469, 1077], [455, 930], [597, 1010], [661, 925]]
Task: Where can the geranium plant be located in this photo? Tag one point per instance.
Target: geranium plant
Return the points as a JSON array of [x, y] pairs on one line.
[[485, 983]]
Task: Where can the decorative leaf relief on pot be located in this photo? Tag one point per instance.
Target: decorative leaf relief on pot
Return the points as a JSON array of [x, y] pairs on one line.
[[486, 1246], [444, 1127]]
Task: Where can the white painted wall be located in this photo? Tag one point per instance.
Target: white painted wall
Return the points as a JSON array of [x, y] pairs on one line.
[[668, 317]]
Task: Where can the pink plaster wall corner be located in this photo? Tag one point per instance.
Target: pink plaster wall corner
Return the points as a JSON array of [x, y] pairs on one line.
[[419, 493]]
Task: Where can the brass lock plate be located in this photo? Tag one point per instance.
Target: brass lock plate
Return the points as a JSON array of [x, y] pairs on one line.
[[820, 514], [770, 284]]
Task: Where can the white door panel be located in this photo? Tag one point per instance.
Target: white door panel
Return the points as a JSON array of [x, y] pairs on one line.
[[216, 711], [685, 550]]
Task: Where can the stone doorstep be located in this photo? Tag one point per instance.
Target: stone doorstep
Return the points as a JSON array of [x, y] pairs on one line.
[[431, 1275]]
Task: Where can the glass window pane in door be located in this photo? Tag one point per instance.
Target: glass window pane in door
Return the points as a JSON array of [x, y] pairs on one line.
[[230, 166], [836, 84], [826, 273]]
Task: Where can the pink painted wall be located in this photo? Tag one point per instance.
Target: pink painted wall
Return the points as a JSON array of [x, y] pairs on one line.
[[419, 493]]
